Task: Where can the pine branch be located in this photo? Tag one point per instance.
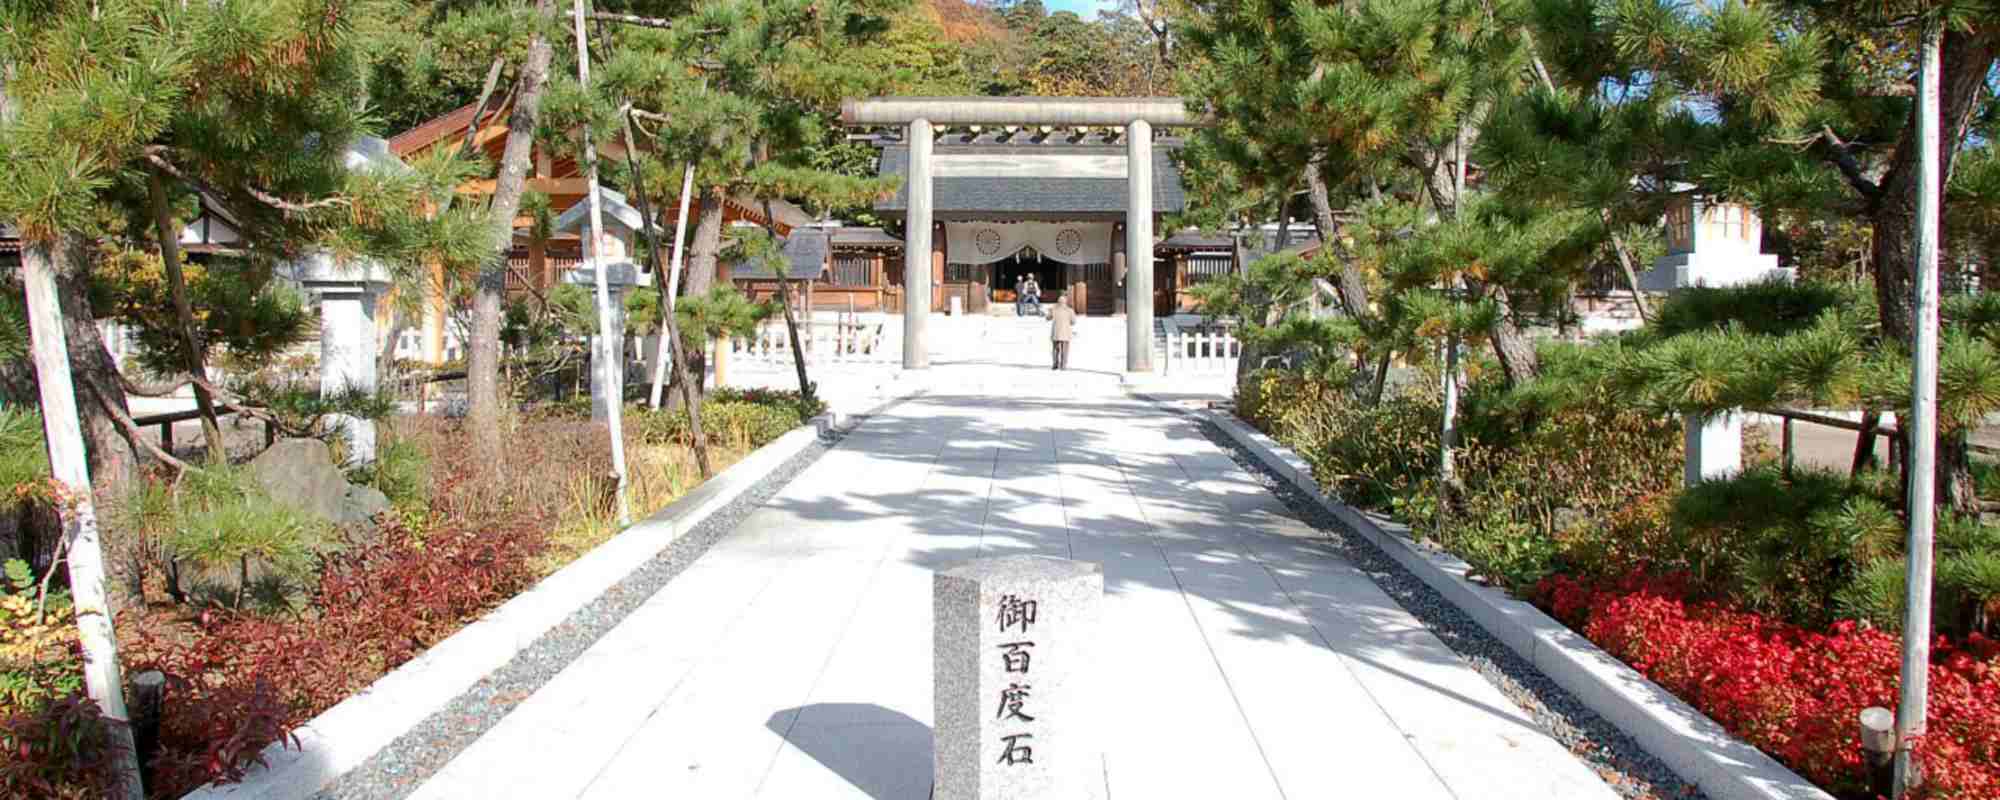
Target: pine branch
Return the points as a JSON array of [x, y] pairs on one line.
[[163, 389], [155, 156], [132, 432], [1837, 152], [485, 94]]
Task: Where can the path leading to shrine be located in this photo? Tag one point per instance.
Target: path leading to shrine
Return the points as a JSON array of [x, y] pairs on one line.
[[1242, 659]]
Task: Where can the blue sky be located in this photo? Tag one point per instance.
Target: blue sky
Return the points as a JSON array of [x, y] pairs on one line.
[[1086, 9]]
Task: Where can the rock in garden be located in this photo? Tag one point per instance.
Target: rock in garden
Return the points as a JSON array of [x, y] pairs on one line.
[[301, 473], [361, 505]]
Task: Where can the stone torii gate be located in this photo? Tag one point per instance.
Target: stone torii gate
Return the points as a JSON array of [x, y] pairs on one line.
[[1137, 115]]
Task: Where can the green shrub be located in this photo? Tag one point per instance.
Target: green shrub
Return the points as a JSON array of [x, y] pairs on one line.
[[23, 457], [750, 423], [401, 471], [1819, 547], [219, 523], [38, 642], [1524, 480]]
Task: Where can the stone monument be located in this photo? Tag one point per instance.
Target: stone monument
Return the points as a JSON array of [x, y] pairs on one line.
[[1712, 244], [1013, 713]]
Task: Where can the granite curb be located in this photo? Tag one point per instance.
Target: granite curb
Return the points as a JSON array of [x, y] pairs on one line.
[[1695, 747], [346, 735]]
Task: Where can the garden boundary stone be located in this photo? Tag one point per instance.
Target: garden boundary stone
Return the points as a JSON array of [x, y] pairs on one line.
[[1697, 748], [344, 736]]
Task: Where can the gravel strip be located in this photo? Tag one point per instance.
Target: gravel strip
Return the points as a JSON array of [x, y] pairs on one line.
[[1626, 767], [403, 766]]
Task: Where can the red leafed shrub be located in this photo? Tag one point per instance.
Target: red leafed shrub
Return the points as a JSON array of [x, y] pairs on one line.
[[243, 681], [59, 750], [1794, 693], [215, 735]]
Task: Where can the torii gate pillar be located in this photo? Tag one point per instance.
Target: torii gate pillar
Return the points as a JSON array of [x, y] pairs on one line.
[[1136, 115]]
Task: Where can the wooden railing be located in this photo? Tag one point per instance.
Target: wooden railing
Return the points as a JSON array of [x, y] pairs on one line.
[[1889, 432], [167, 420]]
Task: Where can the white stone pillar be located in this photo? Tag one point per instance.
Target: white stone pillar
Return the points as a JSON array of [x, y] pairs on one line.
[[347, 339], [1013, 703], [1714, 446], [1139, 246], [917, 249], [1713, 245]]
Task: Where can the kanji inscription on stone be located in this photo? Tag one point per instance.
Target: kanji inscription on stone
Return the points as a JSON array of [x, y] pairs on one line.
[[1013, 711]]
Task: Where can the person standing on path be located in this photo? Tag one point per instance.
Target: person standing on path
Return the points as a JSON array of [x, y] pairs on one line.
[[1062, 328], [1031, 293]]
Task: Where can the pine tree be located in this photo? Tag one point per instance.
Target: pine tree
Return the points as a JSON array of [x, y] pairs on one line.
[[1804, 109], [1362, 99], [482, 367], [252, 105], [744, 92]]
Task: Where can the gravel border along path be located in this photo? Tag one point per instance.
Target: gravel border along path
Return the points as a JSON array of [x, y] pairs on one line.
[[1624, 766], [403, 766]]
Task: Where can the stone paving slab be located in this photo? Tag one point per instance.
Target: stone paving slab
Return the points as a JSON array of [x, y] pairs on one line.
[[1239, 660]]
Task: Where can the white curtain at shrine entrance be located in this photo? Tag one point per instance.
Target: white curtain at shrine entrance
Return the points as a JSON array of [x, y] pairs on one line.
[[1067, 242]]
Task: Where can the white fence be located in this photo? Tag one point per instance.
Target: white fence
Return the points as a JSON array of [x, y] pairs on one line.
[[1201, 348], [836, 342]]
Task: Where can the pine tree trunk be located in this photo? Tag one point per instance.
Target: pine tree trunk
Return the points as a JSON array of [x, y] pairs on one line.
[[1952, 471], [114, 460], [1864, 442], [1353, 290], [785, 302], [64, 431], [191, 349], [1515, 351], [702, 255], [1967, 59], [1625, 265], [482, 368]]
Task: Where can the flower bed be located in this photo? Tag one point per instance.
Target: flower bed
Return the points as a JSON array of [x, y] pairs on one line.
[[1757, 627], [1796, 694], [465, 537]]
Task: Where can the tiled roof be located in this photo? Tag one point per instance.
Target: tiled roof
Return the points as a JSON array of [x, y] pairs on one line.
[[805, 257], [1196, 240], [864, 237]]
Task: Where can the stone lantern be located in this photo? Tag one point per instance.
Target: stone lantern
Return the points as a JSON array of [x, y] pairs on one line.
[[1713, 244], [347, 291], [613, 250]]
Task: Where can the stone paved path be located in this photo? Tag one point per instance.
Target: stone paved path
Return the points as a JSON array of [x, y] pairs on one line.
[[1241, 660]]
